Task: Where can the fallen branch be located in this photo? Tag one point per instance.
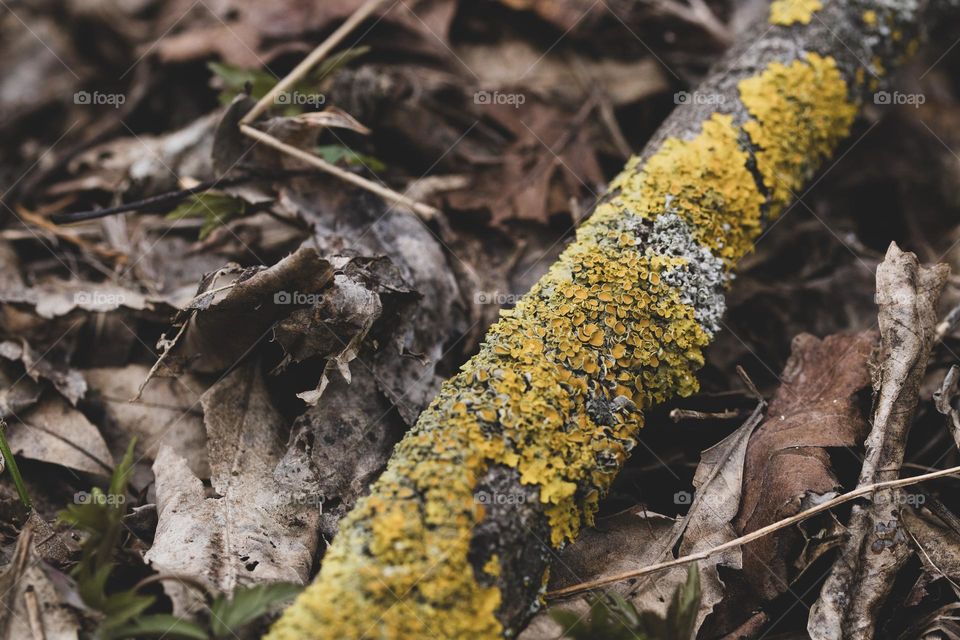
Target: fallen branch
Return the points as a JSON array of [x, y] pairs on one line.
[[512, 457], [863, 575], [859, 492]]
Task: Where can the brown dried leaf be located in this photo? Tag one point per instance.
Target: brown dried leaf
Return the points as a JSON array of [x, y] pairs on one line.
[[815, 408], [253, 531], [168, 412], [54, 432]]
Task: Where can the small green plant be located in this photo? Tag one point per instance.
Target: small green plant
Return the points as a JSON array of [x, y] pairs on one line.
[[335, 153], [612, 617], [10, 462], [123, 613], [216, 209], [236, 80]]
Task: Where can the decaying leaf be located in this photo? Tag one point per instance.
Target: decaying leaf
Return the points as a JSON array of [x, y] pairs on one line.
[[168, 412], [236, 308], [69, 382], [54, 432], [816, 407], [252, 530]]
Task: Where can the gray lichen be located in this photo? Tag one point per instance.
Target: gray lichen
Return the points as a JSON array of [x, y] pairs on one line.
[[701, 280]]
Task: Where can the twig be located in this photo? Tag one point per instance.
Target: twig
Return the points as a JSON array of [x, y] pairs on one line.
[[12, 464], [33, 614], [677, 415], [750, 384], [750, 537], [361, 14], [164, 200], [423, 210], [32, 218], [948, 324], [853, 595]]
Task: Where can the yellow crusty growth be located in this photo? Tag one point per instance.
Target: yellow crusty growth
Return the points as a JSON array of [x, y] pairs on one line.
[[789, 12], [602, 325], [800, 112], [705, 182]]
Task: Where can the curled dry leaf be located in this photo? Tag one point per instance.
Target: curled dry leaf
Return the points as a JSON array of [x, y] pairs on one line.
[[69, 382], [235, 308], [252, 530], [54, 432], [815, 408]]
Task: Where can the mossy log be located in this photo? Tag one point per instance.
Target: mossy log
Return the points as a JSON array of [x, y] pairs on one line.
[[511, 459]]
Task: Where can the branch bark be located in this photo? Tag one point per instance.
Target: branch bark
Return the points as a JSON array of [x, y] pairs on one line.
[[863, 575], [511, 459]]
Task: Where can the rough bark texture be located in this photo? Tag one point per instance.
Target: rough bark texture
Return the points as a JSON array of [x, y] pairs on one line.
[[512, 457], [862, 578]]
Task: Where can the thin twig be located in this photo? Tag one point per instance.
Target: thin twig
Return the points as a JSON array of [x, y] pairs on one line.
[[750, 537], [423, 210], [163, 201], [677, 415], [302, 69]]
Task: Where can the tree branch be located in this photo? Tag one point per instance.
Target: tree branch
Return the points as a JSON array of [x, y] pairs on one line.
[[511, 459]]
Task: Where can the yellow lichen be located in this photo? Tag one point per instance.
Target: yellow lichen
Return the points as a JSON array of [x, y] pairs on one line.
[[800, 112], [705, 181], [789, 12], [557, 389], [870, 17]]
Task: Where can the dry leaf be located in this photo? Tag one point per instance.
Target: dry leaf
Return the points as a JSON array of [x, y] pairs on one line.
[[55, 432], [253, 530], [815, 407]]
